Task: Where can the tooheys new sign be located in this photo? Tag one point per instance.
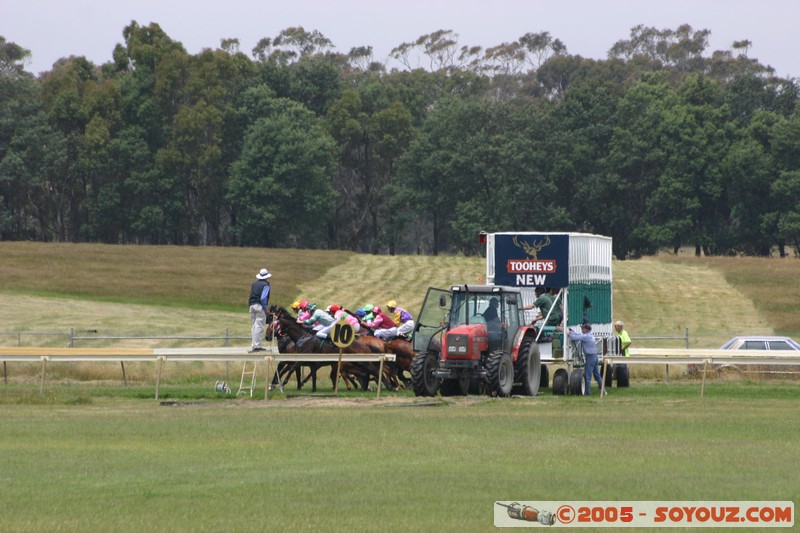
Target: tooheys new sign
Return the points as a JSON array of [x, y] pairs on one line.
[[531, 260]]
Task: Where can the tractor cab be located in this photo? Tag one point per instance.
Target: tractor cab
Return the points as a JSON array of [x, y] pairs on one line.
[[473, 338], [492, 306], [484, 312]]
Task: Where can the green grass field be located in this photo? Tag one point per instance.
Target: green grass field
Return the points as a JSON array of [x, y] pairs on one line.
[[372, 465], [91, 455]]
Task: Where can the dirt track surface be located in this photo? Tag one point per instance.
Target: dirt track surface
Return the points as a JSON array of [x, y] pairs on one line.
[[388, 401]]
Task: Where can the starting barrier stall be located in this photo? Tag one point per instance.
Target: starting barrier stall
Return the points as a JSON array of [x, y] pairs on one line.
[[162, 355], [698, 356]]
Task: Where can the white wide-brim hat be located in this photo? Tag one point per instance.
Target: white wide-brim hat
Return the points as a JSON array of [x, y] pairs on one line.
[[264, 274]]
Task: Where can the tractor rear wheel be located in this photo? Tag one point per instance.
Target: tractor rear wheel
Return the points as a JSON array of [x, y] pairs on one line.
[[528, 368], [544, 381], [422, 379], [500, 373]]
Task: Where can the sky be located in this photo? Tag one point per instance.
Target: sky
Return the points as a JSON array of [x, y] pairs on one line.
[[52, 29]]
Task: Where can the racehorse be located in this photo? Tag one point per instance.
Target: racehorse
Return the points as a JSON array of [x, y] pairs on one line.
[[306, 342], [404, 356], [296, 339], [401, 347]]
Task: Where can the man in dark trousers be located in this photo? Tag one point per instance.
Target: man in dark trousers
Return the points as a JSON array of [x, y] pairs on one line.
[[258, 302], [589, 344]]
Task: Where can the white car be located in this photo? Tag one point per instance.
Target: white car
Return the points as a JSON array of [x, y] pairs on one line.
[[760, 342]]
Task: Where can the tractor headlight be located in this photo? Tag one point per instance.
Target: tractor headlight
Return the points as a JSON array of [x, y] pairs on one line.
[[457, 344]]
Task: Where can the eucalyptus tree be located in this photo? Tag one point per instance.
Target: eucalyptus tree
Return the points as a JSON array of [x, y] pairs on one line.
[[372, 130], [17, 103], [680, 49], [636, 159], [451, 174], [280, 187], [297, 64], [205, 139], [785, 190], [580, 131]]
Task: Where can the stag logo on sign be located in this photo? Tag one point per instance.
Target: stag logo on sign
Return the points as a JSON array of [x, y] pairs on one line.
[[531, 270]]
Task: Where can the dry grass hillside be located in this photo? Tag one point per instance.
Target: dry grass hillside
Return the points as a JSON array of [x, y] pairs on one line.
[[168, 290]]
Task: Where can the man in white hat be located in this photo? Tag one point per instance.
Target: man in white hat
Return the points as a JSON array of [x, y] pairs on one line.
[[259, 300]]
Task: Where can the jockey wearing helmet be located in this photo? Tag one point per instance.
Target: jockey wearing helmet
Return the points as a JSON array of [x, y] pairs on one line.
[[340, 314], [319, 320], [304, 312], [402, 318], [383, 324], [369, 315]]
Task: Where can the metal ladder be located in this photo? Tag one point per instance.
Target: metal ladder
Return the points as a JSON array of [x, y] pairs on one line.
[[245, 374], [251, 374]]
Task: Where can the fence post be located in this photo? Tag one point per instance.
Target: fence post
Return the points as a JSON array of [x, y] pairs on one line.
[[226, 338], [687, 338], [71, 337]]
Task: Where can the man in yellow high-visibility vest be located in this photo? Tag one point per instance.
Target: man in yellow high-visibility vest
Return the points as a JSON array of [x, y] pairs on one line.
[[624, 338]]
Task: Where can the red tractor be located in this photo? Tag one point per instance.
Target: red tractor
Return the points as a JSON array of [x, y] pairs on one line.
[[473, 339]]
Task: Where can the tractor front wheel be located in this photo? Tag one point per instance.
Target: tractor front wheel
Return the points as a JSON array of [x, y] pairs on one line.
[[422, 379], [500, 373]]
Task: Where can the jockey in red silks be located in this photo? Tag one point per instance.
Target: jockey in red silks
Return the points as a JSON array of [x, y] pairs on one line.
[[383, 324]]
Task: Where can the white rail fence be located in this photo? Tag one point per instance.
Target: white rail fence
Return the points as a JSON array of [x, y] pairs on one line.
[[707, 358], [166, 355], [71, 338]]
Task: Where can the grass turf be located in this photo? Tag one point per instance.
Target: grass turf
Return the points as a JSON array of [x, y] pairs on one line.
[[130, 465]]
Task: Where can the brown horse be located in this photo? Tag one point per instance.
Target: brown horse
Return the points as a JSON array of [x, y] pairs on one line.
[[404, 356], [395, 373], [293, 338], [306, 342]]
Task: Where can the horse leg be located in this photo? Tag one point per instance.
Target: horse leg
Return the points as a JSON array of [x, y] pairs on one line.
[[313, 370], [276, 375], [287, 375], [364, 376], [342, 374], [280, 371]]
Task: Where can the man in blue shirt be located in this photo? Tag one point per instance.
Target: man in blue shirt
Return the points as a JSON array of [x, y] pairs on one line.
[[589, 345], [258, 302]]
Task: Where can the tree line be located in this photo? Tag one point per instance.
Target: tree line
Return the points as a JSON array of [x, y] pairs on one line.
[[660, 145]]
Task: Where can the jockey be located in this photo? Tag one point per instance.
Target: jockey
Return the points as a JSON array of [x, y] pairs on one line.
[[325, 330], [304, 312], [369, 314], [319, 319], [338, 314], [341, 314], [383, 324], [402, 318], [296, 307]]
